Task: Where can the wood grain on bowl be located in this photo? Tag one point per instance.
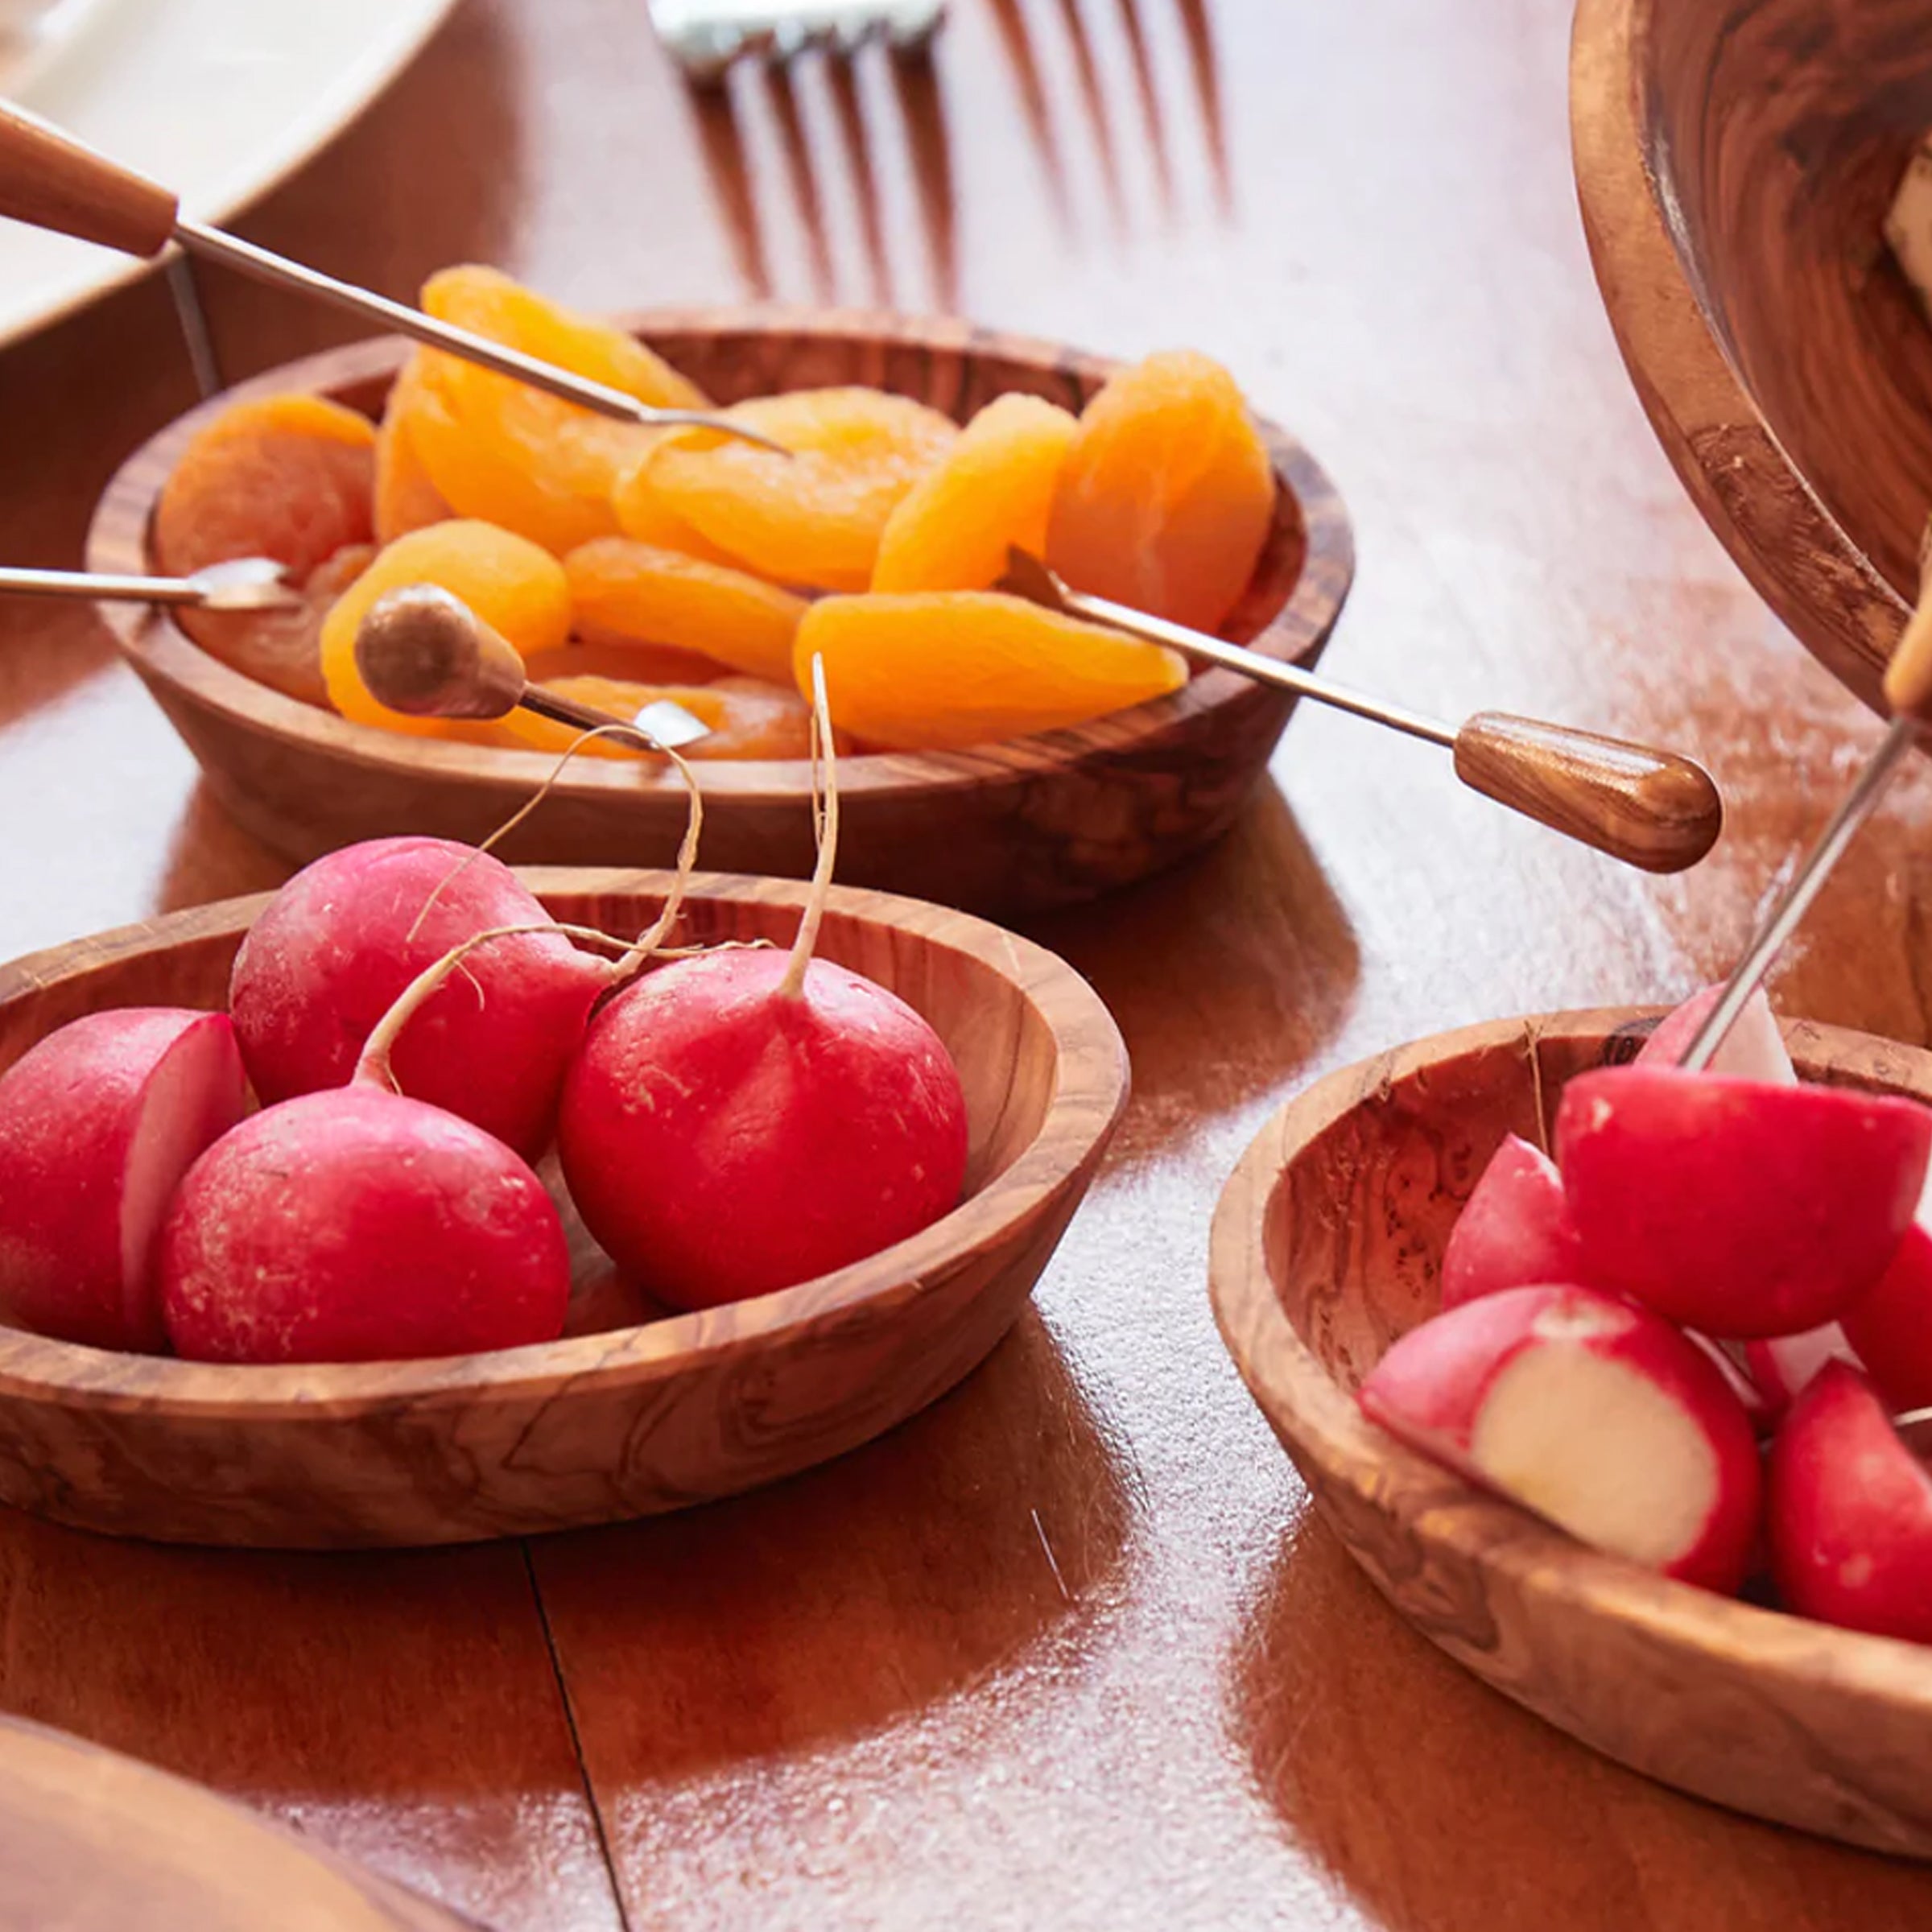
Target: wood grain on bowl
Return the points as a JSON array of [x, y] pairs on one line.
[[1735, 160], [1326, 1247], [1037, 822], [624, 1416], [91, 1841]]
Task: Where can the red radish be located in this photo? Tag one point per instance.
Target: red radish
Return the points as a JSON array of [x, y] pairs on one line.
[[1753, 1050], [1591, 1412], [745, 1119], [98, 1122], [1737, 1206], [1890, 1325], [1851, 1512], [1783, 1367], [1514, 1231], [356, 1226], [337, 945], [1728, 1358]]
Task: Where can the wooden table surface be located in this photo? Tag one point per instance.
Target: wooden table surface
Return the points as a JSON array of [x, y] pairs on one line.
[[1068, 1650]]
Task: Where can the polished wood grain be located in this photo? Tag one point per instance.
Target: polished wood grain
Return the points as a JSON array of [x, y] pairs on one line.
[[93, 1842], [53, 181], [636, 1409], [1326, 1246], [1037, 822], [1735, 160], [880, 1694]]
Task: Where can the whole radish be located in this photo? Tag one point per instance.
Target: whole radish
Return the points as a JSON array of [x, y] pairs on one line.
[[337, 945], [745, 1119], [356, 1224], [98, 1123]]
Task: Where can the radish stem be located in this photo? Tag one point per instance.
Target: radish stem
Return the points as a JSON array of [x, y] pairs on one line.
[[825, 826]]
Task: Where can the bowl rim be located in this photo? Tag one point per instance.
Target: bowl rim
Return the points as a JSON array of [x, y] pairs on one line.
[[1814, 576], [117, 541], [1437, 1507], [1084, 1103]]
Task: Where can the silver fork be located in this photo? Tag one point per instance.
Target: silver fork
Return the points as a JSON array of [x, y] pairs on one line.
[[706, 36]]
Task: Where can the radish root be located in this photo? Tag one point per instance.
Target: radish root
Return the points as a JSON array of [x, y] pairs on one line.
[[825, 828]]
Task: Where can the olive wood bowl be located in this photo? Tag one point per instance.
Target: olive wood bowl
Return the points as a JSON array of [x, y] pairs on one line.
[[1326, 1248], [1037, 822], [635, 1409], [91, 1841], [1735, 160]]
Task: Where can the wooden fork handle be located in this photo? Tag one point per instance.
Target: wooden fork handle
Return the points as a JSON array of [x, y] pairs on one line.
[[51, 180], [1649, 808]]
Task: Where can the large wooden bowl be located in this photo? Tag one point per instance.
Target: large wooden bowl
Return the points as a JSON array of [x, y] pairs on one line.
[[1325, 1248], [1038, 822], [1735, 160], [633, 1411]]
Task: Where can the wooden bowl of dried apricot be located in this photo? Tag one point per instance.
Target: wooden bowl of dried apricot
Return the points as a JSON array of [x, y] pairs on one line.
[[999, 756]]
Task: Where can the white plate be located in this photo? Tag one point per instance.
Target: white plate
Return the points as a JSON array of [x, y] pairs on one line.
[[218, 99]]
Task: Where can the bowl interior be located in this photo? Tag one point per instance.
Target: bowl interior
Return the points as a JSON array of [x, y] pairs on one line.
[[1775, 133], [1003, 1044]]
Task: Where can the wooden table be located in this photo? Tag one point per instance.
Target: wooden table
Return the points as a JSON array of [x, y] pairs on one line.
[[1069, 1651]]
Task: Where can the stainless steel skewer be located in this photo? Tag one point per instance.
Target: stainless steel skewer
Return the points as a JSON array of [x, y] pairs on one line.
[[1908, 690], [241, 583], [1648, 807], [51, 180]]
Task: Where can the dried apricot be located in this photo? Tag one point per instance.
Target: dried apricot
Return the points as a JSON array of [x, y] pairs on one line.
[[992, 490], [282, 649], [643, 516], [815, 516], [405, 499], [497, 448], [1166, 496], [748, 717], [657, 597], [289, 477], [942, 670], [506, 580]]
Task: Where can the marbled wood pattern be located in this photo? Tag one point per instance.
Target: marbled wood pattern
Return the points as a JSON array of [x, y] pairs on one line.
[[612, 1421], [1039, 821], [1735, 160], [93, 1842], [1326, 1246]]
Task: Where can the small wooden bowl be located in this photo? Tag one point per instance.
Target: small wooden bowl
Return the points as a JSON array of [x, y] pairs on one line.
[[1038, 822], [1735, 160], [627, 1414], [1326, 1247]]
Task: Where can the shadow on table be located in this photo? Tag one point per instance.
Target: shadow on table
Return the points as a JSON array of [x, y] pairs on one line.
[[1441, 1804], [1228, 974], [211, 857], [822, 1609]]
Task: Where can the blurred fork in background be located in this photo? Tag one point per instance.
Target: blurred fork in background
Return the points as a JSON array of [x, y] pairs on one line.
[[706, 36]]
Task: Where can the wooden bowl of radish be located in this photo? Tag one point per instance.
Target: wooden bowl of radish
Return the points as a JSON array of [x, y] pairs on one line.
[[832, 1193], [1561, 1413], [1031, 821]]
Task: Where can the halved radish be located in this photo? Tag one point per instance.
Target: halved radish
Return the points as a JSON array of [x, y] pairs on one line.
[[1753, 1050], [1851, 1512], [1595, 1413], [1737, 1206], [98, 1123], [1514, 1230]]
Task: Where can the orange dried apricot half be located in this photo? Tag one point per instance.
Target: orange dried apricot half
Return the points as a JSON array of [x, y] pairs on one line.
[[1166, 496], [405, 498], [282, 649], [993, 489], [507, 580], [289, 477], [619, 588], [499, 450], [942, 670], [748, 717], [815, 516], [643, 516]]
